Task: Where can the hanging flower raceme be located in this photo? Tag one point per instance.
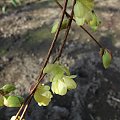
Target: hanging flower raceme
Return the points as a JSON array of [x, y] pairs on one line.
[[43, 95], [60, 78]]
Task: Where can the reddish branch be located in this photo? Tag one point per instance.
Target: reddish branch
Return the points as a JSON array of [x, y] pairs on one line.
[[25, 105]]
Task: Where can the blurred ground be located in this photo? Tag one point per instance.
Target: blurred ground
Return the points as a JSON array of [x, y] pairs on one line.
[[24, 40]]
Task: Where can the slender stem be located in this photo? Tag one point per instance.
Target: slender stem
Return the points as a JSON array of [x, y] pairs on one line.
[[64, 41], [41, 75], [67, 31], [25, 108], [100, 45], [19, 111]]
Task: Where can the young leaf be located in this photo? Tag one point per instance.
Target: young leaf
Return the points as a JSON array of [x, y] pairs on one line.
[[106, 58], [21, 99], [8, 88], [12, 101], [49, 68], [56, 24], [83, 11], [55, 27], [53, 69], [56, 69], [80, 10], [80, 21], [88, 3]]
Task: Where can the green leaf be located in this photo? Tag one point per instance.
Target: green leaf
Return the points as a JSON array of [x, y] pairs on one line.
[[7, 88], [55, 27], [56, 24], [88, 3], [80, 10], [12, 101], [49, 68], [21, 99], [106, 58], [1, 101], [56, 69], [83, 12], [53, 69], [80, 21]]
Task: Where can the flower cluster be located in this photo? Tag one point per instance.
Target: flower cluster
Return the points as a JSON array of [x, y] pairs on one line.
[[84, 13], [60, 78], [43, 95]]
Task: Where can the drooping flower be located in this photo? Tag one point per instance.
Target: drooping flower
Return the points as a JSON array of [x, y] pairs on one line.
[[43, 95], [60, 78], [61, 85]]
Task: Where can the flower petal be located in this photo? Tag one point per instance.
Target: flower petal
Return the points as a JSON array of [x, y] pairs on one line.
[[70, 83]]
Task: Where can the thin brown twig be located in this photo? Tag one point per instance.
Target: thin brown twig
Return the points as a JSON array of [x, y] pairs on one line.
[[62, 46], [100, 45], [25, 108], [67, 31], [27, 102], [60, 51], [66, 34]]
